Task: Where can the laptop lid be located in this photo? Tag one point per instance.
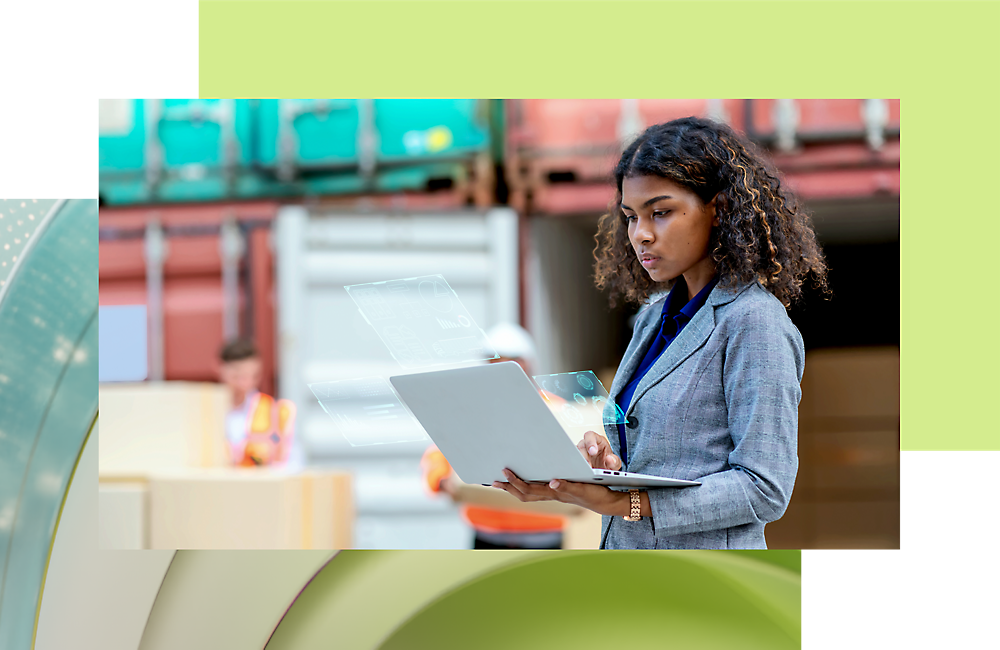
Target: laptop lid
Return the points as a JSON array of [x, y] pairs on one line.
[[485, 418]]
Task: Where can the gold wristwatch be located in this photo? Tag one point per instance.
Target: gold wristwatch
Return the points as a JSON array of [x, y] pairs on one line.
[[634, 514]]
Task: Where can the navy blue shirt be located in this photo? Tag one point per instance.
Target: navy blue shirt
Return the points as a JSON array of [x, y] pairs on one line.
[[673, 318]]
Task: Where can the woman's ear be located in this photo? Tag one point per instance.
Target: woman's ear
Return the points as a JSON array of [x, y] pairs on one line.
[[711, 206]]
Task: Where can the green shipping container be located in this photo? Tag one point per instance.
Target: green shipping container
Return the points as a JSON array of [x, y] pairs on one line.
[[175, 150], [198, 150]]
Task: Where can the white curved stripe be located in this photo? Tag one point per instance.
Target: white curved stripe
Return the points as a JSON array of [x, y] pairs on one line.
[[92, 598], [227, 599]]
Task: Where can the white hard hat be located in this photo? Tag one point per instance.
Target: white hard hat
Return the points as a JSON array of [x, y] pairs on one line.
[[512, 341]]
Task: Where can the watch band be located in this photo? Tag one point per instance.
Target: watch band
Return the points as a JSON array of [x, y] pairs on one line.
[[634, 515]]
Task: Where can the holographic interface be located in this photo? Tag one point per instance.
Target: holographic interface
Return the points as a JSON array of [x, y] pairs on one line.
[[421, 321], [579, 402], [367, 411]]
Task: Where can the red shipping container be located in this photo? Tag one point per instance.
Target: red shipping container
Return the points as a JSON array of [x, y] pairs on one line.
[[192, 280], [553, 139], [829, 118], [561, 152]]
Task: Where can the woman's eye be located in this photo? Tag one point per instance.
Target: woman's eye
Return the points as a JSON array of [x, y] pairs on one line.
[[630, 217], [661, 213]]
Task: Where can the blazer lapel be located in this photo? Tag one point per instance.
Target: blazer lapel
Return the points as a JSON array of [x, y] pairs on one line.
[[692, 337], [641, 341]]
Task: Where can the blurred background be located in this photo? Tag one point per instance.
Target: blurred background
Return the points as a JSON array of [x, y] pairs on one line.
[[225, 219]]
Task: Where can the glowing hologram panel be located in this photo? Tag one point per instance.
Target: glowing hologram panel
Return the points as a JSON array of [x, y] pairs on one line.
[[367, 411], [372, 304], [579, 402], [421, 321]]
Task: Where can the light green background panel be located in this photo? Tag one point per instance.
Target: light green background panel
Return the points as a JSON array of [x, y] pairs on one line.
[[48, 400], [949, 305]]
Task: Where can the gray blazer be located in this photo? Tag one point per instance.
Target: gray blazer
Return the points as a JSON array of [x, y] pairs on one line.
[[719, 406]]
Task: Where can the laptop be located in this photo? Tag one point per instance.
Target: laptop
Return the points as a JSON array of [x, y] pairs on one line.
[[485, 418]]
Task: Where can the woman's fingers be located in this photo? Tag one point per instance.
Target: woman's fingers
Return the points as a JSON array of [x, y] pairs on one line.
[[611, 461], [530, 491], [592, 443], [594, 447], [511, 490], [511, 487]]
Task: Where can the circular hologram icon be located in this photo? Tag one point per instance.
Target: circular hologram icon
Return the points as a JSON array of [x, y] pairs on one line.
[[580, 399], [585, 381], [436, 295], [572, 415], [463, 321]]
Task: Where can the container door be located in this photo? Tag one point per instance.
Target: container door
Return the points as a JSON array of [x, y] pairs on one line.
[[304, 134], [122, 139], [824, 119], [197, 147], [324, 337], [419, 129]]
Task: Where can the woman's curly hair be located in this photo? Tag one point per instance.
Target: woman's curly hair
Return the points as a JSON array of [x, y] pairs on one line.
[[763, 233]]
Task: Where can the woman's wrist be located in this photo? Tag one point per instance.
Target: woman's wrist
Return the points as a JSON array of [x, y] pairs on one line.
[[623, 505]]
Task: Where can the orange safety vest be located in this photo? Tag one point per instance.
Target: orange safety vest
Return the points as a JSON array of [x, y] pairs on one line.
[[270, 427], [489, 520]]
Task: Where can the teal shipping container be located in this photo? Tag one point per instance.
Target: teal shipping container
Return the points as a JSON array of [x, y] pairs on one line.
[[175, 150], [203, 150]]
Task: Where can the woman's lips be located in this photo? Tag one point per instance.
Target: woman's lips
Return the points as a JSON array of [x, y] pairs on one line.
[[648, 261]]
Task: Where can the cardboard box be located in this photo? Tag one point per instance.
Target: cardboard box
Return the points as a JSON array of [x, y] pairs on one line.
[[250, 508], [154, 426]]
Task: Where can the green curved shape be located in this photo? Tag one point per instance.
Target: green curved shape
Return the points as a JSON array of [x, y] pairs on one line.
[[361, 595], [664, 600], [483, 599], [48, 400]]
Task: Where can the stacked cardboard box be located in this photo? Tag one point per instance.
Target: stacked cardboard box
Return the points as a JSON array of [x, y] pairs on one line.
[[165, 481]]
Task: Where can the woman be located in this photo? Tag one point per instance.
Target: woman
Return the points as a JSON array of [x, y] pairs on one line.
[[710, 381]]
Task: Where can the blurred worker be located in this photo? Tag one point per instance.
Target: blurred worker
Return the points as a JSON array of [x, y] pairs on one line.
[[259, 429], [497, 528]]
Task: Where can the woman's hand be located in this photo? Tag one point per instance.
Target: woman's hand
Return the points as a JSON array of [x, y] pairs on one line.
[[598, 498], [597, 450], [449, 485]]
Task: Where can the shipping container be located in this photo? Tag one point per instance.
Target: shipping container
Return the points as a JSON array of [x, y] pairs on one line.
[[560, 153], [174, 150], [323, 337], [204, 274], [573, 325], [574, 140], [784, 123], [209, 150]]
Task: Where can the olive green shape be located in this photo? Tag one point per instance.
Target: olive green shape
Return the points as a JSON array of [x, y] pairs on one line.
[[662, 600]]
